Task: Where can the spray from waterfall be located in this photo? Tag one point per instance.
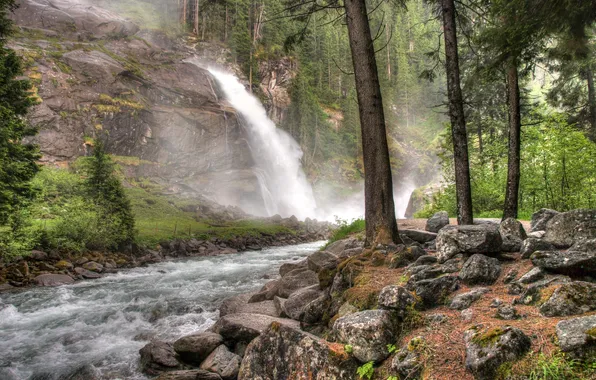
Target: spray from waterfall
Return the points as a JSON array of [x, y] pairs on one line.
[[283, 184]]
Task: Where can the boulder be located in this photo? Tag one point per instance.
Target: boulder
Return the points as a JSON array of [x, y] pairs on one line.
[[368, 332], [510, 276], [531, 245], [465, 300], [63, 264], [408, 362], [405, 256], [468, 239], [437, 221], [434, 291], [566, 228], [288, 267], [507, 312], [419, 236], [322, 260], [279, 302], [239, 304], [157, 357], [37, 255], [282, 352], [314, 312], [397, 299], [223, 362], [53, 279], [573, 263], [487, 350], [513, 234], [574, 298], [480, 269], [93, 266], [533, 275], [87, 274], [295, 304], [350, 253], [540, 218], [245, 327], [341, 245], [195, 374], [578, 335], [296, 279], [196, 347]]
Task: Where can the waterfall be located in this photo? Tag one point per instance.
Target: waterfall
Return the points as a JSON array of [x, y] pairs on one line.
[[284, 187]]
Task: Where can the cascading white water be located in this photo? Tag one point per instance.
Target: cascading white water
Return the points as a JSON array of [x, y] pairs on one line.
[[284, 187]]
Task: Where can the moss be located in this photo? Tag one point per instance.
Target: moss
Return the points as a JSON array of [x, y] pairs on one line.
[[591, 333], [275, 326], [415, 344], [546, 294], [489, 337]]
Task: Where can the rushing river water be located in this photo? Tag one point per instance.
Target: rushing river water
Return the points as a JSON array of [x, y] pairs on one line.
[[105, 322]]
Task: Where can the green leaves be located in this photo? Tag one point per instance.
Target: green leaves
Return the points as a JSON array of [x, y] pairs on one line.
[[366, 370]]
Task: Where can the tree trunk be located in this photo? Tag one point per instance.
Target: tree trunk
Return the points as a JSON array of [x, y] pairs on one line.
[[591, 102], [184, 10], [513, 163], [197, 18], [381, 226], [456, 114]]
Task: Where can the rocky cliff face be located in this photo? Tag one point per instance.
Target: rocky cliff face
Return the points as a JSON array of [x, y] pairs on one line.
[[97, 74]]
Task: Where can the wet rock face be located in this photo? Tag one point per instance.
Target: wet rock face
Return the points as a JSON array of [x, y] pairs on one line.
[[565, 229], [480, 269], [512, 234], [368, 332], [574, 298], [578, 335], [468, 239], [437, 221], [195, 348], [157, 357], [282, 353], [486, 350]]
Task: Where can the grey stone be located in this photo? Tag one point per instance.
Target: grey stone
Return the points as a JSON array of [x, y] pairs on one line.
[[295, 280], [512, 234], [196, 347], [408, 362], [510, 276], [531, 245], [419, 236], [396, 298], [297, 301], [157, 357], [405, 256], [573, 263], [577, 335], [437, 221], [540, 218], [434, 291], [507, 312], [480, 269], [53, 279], [223, 362], [368, 332], [195, 374], [245, 327], [468, 239], [322, 260], [465, 300], [533, 275], [288, 267], [239, 304], [341, 245], [567, 228], [577, 297]]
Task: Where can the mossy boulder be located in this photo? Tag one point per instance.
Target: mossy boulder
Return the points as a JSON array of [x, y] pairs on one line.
[[578, 336], [575, 298]]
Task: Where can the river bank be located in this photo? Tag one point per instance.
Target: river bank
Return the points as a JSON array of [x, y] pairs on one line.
[[62, 268]]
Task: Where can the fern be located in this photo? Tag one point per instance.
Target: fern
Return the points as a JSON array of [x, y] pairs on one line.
[[366, 370]]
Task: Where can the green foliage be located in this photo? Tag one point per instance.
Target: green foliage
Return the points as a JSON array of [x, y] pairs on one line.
[[348, 348], [366, 371], [345, 229], [556, 366], [391, 348]]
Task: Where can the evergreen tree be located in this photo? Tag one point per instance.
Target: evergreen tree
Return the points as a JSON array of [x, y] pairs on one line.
[[107, 192], [17, 158]]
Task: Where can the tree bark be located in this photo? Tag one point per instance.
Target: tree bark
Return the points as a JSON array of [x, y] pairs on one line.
[[591, 102], [381, 226], [456, 114], [513, 163], [184, 15], [196, 18]]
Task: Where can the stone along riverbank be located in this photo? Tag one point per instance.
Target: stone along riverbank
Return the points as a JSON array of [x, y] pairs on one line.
[[96, 328]]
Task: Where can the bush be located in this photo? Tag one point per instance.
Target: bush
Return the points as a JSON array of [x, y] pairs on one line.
[[345, 229]]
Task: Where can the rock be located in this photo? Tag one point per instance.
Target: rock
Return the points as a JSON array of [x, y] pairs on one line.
[[239, 304], [195, 374], [487, 350], [537, 234], [573, 263], [533, 275], [425, 260], [341, 245], [282, 353], [405, 256], [246, 327], [467, 315], [223, 362], [531, 245], [267, 292], [407, 362], [279, 302], [314, 312], [577, 297], [515, 288], [510, 276], [63, 264], [157, 357], [468, 239], [465, 300], [93, 266], [578, 335], [81, 260], [495, 303], [38, 255], [480, 269], [345, 309], [437, 221], [296, 279], [53, 279], [295, 304], [322, 260], [368, 332], [196, 347], [288, 267], [507, 312], [397, 299], [513, 234], [566, 228], [540, 218], [434, 291], [350, 253], [437, 318], [86, 273], [419, 236]]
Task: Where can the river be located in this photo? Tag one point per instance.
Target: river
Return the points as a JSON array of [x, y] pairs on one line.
[[105, 322]]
